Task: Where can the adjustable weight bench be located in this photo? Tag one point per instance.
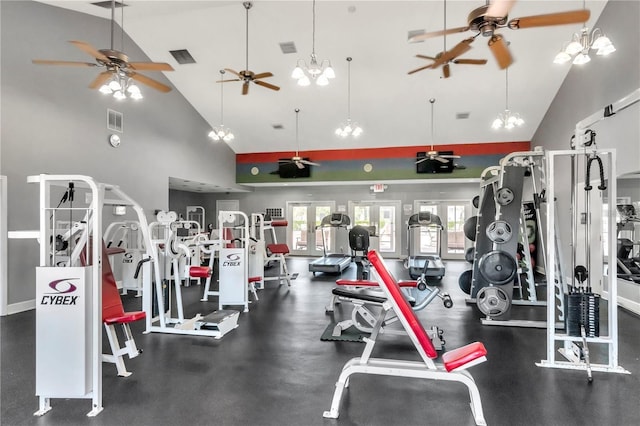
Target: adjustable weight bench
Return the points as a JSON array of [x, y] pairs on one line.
[[113, 314], [454, 363]]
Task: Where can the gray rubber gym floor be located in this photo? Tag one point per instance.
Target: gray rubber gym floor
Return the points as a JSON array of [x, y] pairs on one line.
[[274, 370]]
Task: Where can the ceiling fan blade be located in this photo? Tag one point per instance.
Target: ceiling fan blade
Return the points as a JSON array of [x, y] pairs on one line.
[[149, 82], [226, 81], [236, 73], [309, 163], [299, 164], [470, 61], [426, 57], [65, 63], [87, 48], [500, 8], [102, 78], [420, 69], [424, 36], [500, 51], [245, 87], [422, 159], [267, 85], [441, 159], [449, 156], [457, 50], [263, 75], [561, 18], [150, 66], [446, 71]]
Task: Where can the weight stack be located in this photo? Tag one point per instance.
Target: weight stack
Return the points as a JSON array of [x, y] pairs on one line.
[[583, 308]]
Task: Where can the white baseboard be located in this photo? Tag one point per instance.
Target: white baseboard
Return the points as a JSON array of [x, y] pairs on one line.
[[16, 308], [628, 304]]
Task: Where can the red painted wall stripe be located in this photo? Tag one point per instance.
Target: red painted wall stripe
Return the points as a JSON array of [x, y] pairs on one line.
[[491, 148]]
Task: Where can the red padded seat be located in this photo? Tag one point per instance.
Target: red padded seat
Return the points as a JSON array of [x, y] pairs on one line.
[[279, 223], [199, 272], [278, 248], [368, 283], [126, 318], [255, 279], [115, 250]]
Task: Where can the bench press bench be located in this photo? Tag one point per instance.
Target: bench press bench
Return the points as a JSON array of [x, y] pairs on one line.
[[454, 363]]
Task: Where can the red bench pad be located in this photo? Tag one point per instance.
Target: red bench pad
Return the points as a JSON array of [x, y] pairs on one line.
[[278, 248], [126, 318], [368, 283], [254, 279], [279, 223], [199, 272], [392, 287], [115, 250], [461, 356]]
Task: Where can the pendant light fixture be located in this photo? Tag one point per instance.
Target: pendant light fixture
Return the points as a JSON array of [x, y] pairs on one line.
[[221, 132], [321, 71], [507, 119], [577, 50], [351, 128]]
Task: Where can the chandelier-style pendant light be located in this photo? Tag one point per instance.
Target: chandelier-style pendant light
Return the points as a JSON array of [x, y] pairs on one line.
[[221, 132], [351, 128], [321, 71], [507, 119], [577, 50]]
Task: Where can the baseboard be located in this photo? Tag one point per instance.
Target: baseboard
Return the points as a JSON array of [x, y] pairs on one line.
[[628, 304], [16, 308]]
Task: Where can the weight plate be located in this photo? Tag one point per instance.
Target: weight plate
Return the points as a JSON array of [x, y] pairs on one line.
[[470, 254], [498, 267], [504, 196], [499, 231], [464, 281], [469, 227], [476, 201], [493, 301]]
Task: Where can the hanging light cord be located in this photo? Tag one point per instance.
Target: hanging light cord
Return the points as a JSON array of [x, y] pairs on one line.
[[444, 36], [122, 26], [313, 30], [297, 140], [246, 50], [433, 101], [349, 88], [113, 20], [222, 98], [506, 84]]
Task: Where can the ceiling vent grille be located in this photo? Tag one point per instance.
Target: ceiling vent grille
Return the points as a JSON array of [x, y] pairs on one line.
[[114, 120], [182, 56], [462, 115], [107, 4], [288, 47]]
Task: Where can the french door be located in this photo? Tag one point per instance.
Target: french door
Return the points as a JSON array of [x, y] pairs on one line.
[[303, 236], [383, 217], [451, 241]]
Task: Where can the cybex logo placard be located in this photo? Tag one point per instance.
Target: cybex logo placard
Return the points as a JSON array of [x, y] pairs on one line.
[[61, 293], [233, 259], [127, 258]]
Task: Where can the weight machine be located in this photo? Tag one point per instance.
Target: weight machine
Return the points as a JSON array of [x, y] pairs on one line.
[[587, 258]]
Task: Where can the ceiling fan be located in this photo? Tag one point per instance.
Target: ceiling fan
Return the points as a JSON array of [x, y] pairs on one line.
[[446, 57], [117, 64], [432, 154], [487, 19], [247, 76], [300, 162]]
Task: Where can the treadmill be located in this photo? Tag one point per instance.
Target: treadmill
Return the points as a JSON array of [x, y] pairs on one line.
[[331, 263], [416, 260]]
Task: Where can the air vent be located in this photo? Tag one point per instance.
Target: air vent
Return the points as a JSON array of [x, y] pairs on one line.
[[288, 47], [274, 212], [277, 126], [415, 33], [114, 120], [462, 116], [182, 56], [107, 4]]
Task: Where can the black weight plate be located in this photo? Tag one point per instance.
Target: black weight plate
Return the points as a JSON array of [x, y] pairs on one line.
[[464, 281], [476, 201], [470, 227], [498, 267], [493, 301], [470, 254]]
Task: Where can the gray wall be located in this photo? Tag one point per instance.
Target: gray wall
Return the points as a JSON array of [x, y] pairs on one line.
[[52, 123]]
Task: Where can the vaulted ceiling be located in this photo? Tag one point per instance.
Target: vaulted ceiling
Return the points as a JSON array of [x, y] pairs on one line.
[[390, 105]]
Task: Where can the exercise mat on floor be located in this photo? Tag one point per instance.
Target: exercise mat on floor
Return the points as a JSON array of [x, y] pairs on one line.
[[351, 334]]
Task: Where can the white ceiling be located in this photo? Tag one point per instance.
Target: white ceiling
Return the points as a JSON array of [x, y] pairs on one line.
[[391, 106]]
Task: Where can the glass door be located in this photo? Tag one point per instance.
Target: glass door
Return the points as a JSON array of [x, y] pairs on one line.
[[303, 236], [451, 240], [382, 218]]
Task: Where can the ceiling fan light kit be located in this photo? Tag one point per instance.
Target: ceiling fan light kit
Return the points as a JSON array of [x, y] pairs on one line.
[[318, 71], [351, 128], [507, 119], [221, 132]]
